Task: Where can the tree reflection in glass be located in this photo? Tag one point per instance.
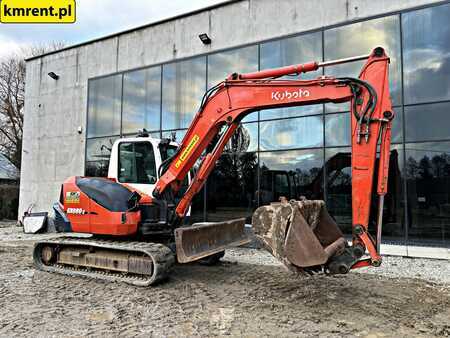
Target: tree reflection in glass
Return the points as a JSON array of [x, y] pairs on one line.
[[428, 184], [291, 174], [98, 151], [339, 192], [231, 187]]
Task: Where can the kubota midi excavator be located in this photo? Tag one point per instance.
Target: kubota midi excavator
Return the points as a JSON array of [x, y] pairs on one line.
[[137, 236]]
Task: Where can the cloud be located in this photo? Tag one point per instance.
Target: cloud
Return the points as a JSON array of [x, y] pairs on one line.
[[9, 46], [96, 19]]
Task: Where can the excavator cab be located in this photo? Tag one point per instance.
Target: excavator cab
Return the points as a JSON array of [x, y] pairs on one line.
[[135, 161]]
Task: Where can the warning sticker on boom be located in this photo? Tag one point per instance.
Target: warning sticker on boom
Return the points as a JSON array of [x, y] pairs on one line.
[[187, 150], [72, 197]]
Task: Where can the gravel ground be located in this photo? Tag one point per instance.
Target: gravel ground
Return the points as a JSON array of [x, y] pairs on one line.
[[434, 270], [249, 294]]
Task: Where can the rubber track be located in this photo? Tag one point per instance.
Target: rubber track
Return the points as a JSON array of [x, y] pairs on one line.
[[162, 256]]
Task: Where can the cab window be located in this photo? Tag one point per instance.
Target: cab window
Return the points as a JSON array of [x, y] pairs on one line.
[[167, 152], [137, 163]]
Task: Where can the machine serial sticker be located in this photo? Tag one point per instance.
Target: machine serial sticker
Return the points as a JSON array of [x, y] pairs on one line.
[[72, 197], [76, 211], [187, 151]]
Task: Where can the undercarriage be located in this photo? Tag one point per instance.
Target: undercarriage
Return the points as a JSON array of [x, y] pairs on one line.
[[136, 263]]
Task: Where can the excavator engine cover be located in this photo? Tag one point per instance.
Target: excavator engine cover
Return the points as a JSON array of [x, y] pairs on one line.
[[301, 234]]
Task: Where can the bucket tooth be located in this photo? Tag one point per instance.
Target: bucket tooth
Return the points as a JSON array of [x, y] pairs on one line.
[[204, 239]]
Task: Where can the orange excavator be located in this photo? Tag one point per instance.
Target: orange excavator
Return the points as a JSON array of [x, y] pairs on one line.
[[138, 236]]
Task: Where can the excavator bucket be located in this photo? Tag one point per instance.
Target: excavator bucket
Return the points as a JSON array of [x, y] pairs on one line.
[[205, 239], [301, 234]]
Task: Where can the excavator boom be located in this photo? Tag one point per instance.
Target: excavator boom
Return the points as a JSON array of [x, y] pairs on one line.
[[225, 105]]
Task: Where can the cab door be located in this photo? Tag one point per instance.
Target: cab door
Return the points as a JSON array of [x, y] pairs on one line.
[[137, 165]]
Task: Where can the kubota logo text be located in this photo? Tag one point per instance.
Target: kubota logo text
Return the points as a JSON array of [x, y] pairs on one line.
[[288, 94]]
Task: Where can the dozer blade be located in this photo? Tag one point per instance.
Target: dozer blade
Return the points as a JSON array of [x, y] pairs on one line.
[[301, 234], [204, 239]]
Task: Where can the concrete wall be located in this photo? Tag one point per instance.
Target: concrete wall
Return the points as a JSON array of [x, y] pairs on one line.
[[52, 147]]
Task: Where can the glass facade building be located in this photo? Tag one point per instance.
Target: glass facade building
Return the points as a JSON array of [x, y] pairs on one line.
[[303, 151]]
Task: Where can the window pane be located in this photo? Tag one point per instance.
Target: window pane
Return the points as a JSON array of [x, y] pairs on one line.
[[291, 51], [167, 151], [231, 188], [154, 134], [339, 193], [144, 158], [197, 208], [244, 139], [96, 169], [291, 112], [98, 152], [394, 201], [337, 129], [285, 52], [137, 163], [303, 132], [183, 88], [339, 186], [360, 38], [397, 125], [428, 122], [176, 135], [242, 60], [141, 100], [291, 174], [127, 165], [99, 149], [428, 184], [426, 54], [104, 106]]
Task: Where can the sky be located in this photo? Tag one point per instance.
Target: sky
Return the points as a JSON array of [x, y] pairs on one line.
[[95, 18]]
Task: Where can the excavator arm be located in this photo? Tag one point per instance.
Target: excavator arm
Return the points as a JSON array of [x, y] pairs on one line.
[[225, 105]]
